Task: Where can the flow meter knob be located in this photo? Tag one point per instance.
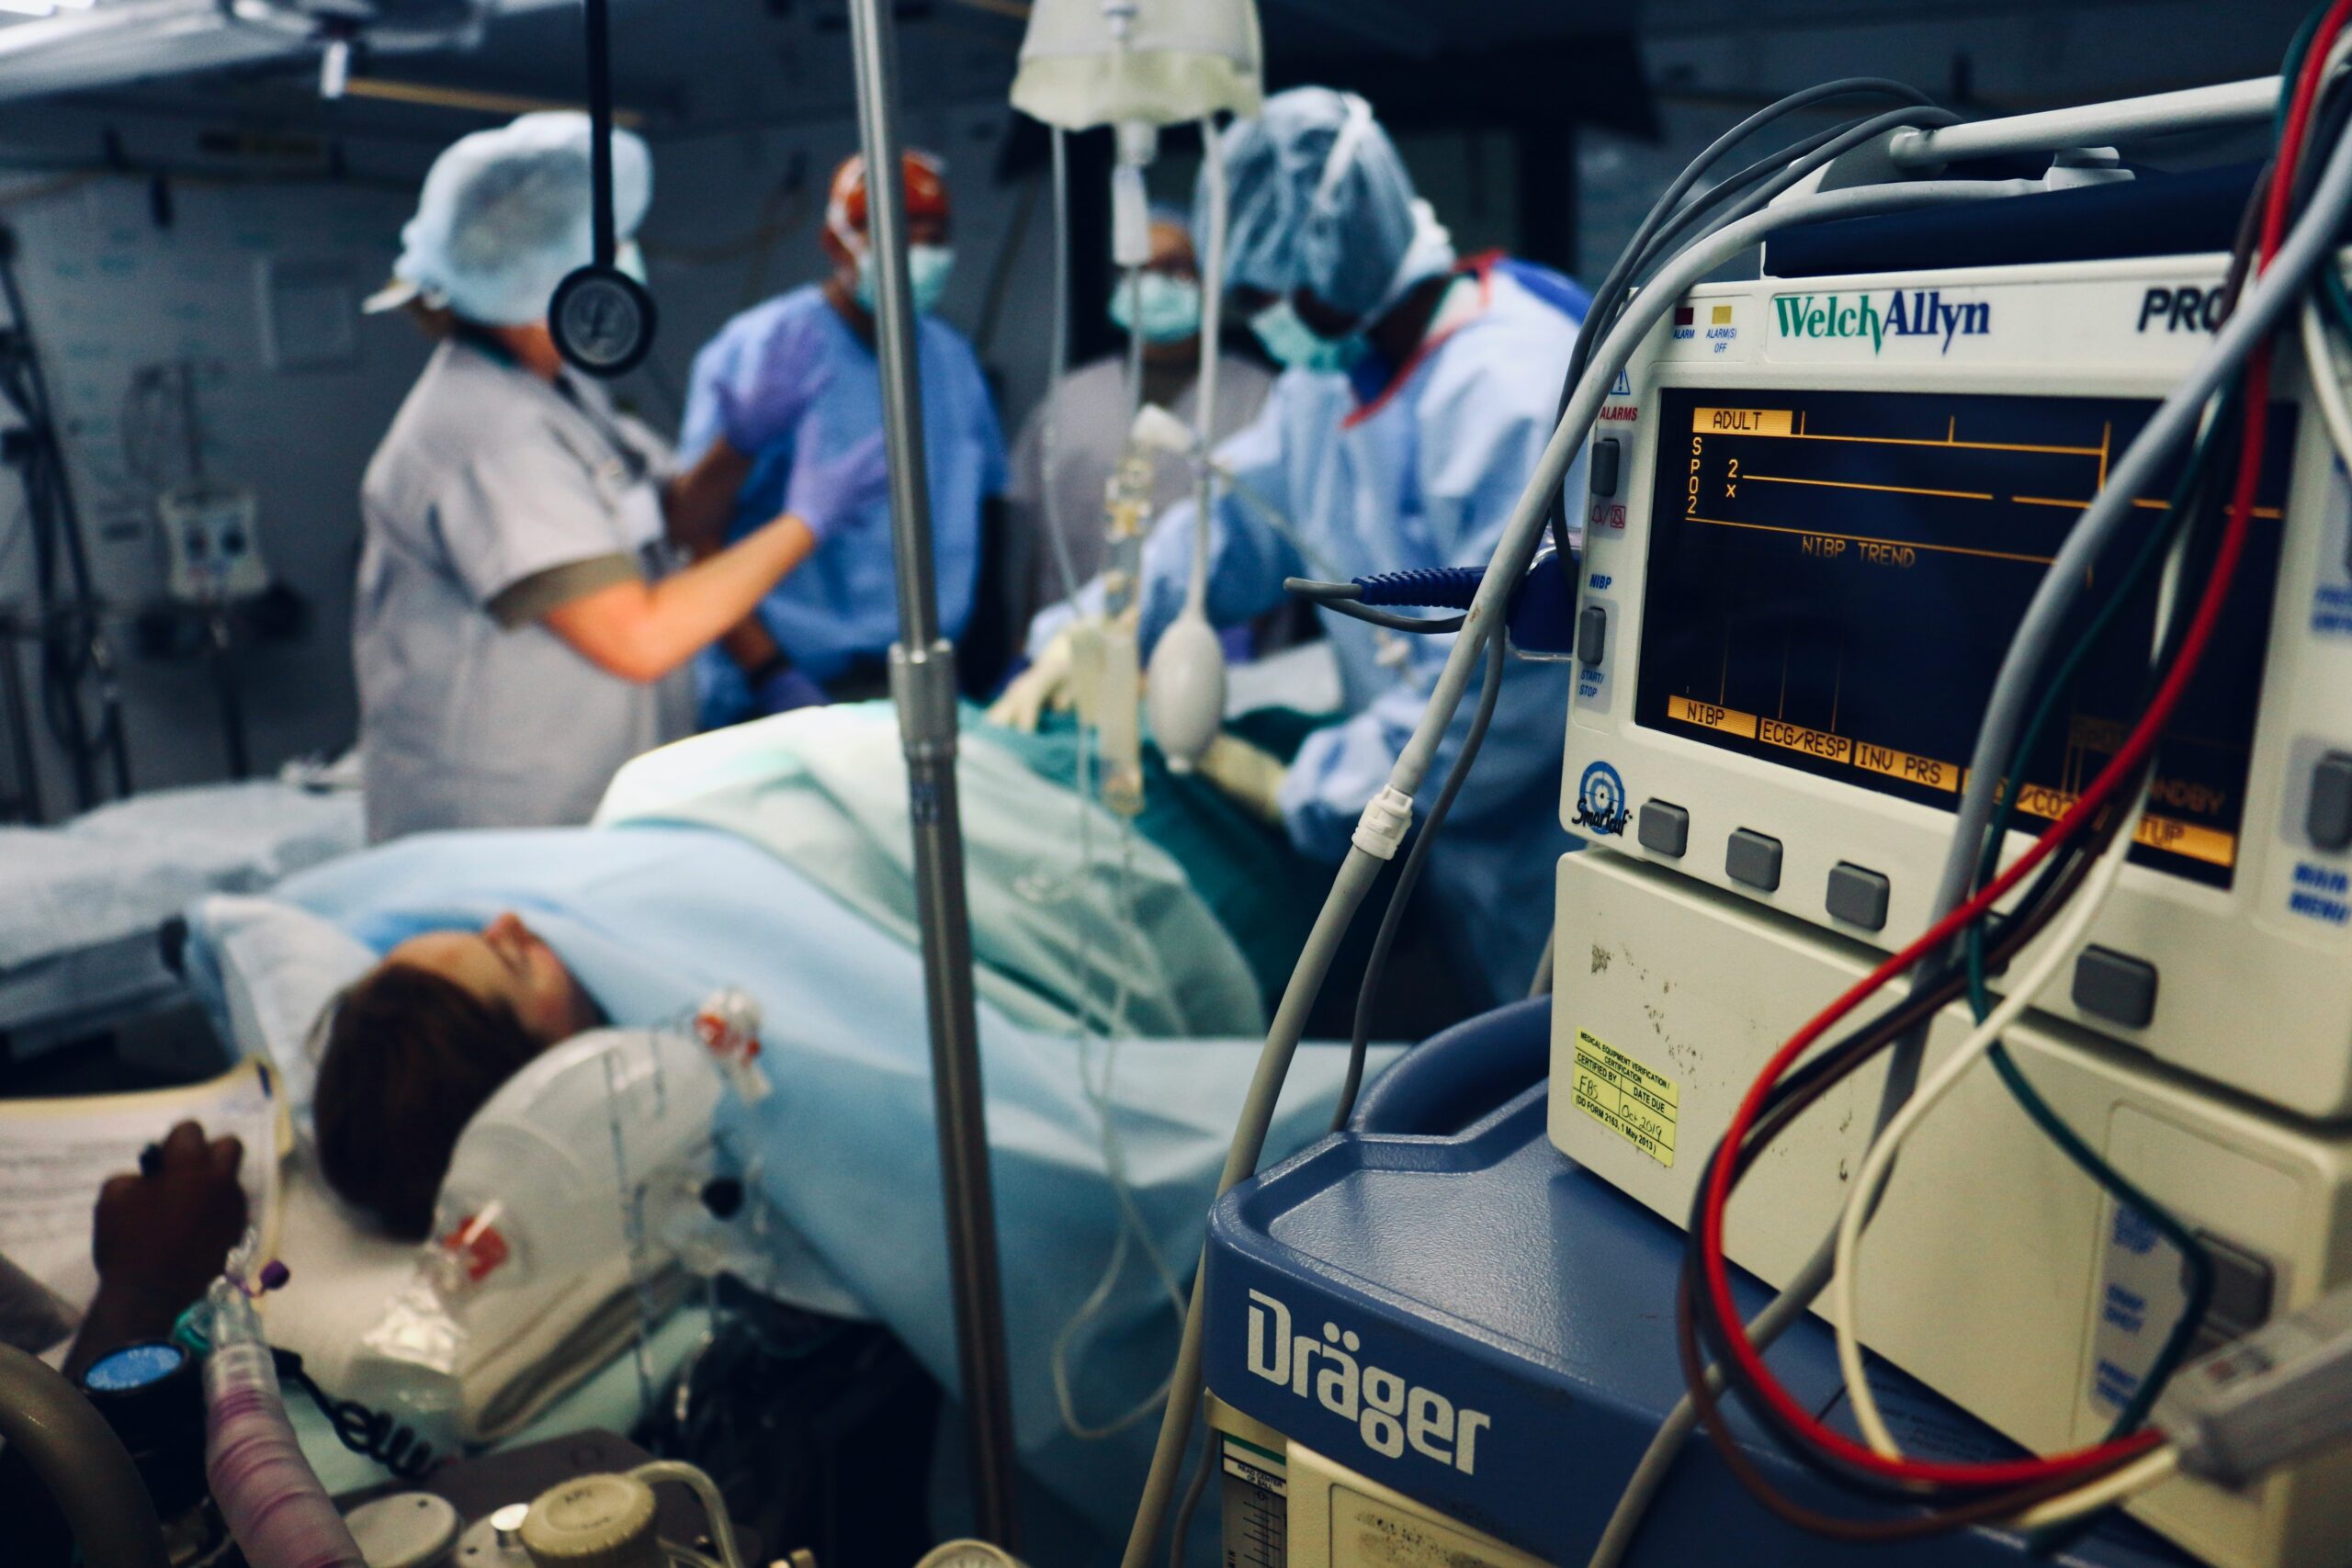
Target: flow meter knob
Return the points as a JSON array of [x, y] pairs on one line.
[[408, 1530], [594, 1521]]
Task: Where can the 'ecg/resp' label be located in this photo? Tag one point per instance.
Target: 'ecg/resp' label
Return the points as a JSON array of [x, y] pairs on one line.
[[1625, 1097]]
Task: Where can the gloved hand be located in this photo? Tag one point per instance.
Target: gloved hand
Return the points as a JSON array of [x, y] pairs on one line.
[[785, 689], [764, 396], [830, 491], [1251, 775], [1045, 684]]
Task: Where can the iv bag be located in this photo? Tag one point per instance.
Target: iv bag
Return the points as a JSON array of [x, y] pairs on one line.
[[1182, 60]]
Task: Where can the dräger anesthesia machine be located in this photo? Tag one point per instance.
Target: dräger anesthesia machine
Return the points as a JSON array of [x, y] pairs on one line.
[[1965, 648]]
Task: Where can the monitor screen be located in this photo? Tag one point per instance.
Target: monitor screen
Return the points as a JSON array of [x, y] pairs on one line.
[[1833, 578]]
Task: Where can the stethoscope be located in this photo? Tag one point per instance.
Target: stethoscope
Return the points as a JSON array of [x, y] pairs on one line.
[[602, 318]]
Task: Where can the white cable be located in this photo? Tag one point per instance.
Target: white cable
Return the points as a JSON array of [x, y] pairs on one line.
[[2058, 947], [1134, 1232], [1196, 591], [1057, 370], [2326, 376], [2142, 1473]]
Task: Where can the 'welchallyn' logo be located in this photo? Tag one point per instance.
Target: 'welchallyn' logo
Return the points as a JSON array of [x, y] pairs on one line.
[[1389, 1413], [1922, 313]]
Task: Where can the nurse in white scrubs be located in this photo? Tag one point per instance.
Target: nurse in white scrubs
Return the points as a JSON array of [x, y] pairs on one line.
[[537, 574]]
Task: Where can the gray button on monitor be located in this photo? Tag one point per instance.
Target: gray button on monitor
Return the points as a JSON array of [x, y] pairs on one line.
[[1607, 452], [2245, 1287], [2115, 987], [1857, 896], [1665, 829], [1754, 860], [2329, 818], [1592, 635]]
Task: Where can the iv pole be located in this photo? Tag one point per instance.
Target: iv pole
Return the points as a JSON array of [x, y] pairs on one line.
[[922, 681]]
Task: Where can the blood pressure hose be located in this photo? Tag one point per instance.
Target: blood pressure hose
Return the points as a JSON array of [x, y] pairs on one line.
[[1184, 689]]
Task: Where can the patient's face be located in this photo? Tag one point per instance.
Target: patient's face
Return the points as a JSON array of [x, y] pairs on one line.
[[506, 964]]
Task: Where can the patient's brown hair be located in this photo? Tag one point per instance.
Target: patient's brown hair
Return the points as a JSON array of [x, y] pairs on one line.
[[410, 1058]]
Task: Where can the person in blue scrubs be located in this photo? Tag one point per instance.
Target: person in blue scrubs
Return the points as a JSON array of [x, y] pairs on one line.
[[1417, 392], [798, 375]]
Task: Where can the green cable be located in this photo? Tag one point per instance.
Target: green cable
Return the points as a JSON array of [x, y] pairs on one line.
[[2120, 1188], [2292, 66]]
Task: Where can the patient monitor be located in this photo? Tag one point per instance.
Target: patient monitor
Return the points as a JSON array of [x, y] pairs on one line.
[[1818, 509]]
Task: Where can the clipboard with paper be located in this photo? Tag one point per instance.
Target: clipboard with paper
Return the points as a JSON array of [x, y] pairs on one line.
[[56, 1154]]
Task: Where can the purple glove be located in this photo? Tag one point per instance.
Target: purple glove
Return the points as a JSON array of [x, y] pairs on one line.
[[761, 396], [832, 491], [784, 689]]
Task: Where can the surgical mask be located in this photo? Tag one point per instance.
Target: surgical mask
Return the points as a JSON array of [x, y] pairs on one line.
[[1296, 345], [1163, 309], [928, 267]]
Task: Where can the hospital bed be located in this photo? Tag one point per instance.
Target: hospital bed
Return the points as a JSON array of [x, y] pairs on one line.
[[86, 900]]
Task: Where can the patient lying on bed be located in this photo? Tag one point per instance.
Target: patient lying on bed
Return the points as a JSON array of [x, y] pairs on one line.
[[775, 859], [1185, 928]]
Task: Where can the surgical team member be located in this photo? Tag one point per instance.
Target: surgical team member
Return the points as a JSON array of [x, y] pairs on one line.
[[797, 378], [1058, 494], [1419, 393], [519, 634]]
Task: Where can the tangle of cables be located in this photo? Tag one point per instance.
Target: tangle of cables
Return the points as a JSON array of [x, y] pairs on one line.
[[2203, 534]]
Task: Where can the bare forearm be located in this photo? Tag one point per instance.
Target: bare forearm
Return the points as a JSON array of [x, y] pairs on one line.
[[691, 609], [644, 631]]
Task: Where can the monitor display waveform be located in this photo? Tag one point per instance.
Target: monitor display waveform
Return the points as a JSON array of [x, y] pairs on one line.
[[1834, 577]]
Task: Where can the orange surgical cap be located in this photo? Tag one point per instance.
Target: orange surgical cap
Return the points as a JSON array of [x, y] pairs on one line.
[[846, 199]]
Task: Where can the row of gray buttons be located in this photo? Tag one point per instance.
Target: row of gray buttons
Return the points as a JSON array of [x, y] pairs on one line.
[[1857, 895], [2107, 984]]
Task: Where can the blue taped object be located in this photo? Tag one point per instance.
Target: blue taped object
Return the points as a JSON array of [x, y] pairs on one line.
[[1488, 1272], [1543, 611], [1542, 617], [1455, 1077], [1423, 588]]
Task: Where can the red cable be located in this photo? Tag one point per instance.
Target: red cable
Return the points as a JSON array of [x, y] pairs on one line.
[[2125, 762]]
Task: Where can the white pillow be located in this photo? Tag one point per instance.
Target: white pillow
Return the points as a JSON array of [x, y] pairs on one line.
[[280, 967]]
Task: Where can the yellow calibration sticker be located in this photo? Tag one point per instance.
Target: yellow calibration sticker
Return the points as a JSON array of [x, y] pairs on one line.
[[1625, 1097]]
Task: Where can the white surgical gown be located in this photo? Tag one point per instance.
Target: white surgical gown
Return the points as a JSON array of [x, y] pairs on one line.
[[1425, 476], [490, 478]]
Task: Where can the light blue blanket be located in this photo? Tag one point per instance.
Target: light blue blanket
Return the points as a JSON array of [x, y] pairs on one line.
[[654, 918]]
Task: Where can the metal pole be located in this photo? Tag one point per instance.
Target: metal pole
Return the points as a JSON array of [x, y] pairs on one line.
[[923, 680], [26, 805]]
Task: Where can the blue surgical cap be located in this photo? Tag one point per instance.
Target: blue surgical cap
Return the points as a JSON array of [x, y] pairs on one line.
[[505, 215], [1318, 199]]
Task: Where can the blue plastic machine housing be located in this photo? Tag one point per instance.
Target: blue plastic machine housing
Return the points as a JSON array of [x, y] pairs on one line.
[[1471, 1319]]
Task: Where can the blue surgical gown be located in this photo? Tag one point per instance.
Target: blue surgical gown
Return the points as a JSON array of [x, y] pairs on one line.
[[842, 605], [1426, 474]]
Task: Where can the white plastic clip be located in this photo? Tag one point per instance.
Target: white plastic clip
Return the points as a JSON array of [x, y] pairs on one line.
[[1382, 826]]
